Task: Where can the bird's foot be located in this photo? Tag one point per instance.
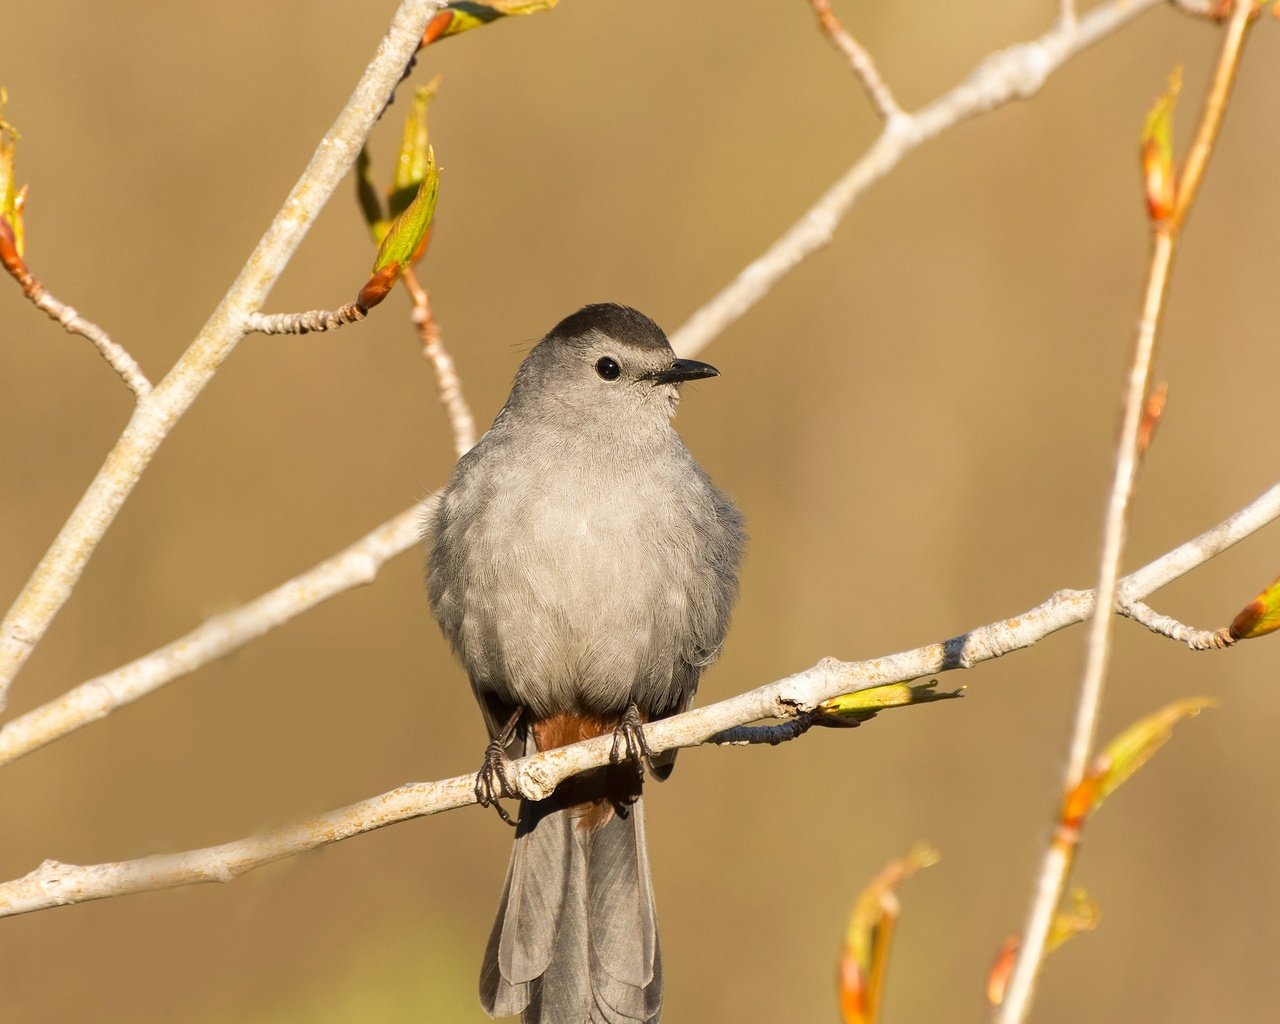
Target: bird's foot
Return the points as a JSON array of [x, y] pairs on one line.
[[629, 743], [493, 780]]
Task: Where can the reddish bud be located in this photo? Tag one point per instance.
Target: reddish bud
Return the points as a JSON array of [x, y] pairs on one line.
[[379, 286], [1159, 175]]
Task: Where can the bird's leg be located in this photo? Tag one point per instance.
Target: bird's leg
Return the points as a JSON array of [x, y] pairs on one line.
[[629, 743], [492, 781]]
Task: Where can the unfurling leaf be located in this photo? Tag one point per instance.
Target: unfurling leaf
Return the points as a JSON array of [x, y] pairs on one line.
[[414, 158], [461, 15], [1260, 616], [1125, 754], [12, 198], [865, 954], [367, 196], [865, 704], [404, 238], [1079, 915], [1159, 176]]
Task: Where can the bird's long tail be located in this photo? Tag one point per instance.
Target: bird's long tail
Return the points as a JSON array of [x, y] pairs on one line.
[[576, 936]]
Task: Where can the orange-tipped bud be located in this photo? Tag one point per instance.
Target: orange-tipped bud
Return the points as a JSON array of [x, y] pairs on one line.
[[1152, 411], [1159, 175], [461, 15], [1260, 616]]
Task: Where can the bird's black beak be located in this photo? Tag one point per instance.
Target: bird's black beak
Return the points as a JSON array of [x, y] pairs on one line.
[[682, 370]]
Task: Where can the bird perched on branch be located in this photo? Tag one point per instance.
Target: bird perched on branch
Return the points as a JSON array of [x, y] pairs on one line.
[[583, 568]]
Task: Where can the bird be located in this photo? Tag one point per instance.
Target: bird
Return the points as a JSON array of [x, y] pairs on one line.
[[583, 568]]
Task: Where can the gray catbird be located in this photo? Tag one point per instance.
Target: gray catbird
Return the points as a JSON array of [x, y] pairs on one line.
[[583, 568]]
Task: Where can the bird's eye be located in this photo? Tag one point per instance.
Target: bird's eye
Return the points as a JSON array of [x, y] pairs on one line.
[[607, 368]]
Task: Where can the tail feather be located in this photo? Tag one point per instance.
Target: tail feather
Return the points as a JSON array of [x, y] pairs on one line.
[[576, 937], [625, 958]]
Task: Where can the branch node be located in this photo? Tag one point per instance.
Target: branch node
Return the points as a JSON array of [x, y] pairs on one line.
[[534, 781]]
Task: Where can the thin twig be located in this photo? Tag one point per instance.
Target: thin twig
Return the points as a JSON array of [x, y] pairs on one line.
[[98, 697], [72, 322], [154, 417], [448, 383], [1059, 855], [1166, 625], [1215, 108], [1067, 12], [312, 321], [859, 60]]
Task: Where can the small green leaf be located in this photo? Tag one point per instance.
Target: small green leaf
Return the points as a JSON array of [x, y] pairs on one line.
[[1260, 616], [462, 15], [404, 237], [415, 150], [1159, 176], [1079, 915], [12, 198], [367, 196], [1134, 747], [865, 704]]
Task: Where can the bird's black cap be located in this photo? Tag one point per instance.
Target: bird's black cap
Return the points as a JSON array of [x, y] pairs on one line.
[[624, 324]]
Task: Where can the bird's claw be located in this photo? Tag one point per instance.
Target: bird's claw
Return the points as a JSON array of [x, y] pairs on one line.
[[493, 782], [629, 743]]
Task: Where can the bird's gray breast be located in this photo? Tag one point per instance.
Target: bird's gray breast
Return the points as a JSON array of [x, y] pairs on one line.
[[581, 583]]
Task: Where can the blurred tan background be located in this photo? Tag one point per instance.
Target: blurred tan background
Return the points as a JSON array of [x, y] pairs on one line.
[[917, 424]]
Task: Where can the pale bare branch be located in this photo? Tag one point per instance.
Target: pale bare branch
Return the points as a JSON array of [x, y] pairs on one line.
[[1166, 625], [155, 415], [54, 884], [72, 322], [98, 697], [859, 60], [448, 383]]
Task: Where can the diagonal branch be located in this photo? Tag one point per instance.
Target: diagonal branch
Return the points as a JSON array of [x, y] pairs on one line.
[[54, 884], [98, 697], [154, 416], [72, 322], [859, 60]]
